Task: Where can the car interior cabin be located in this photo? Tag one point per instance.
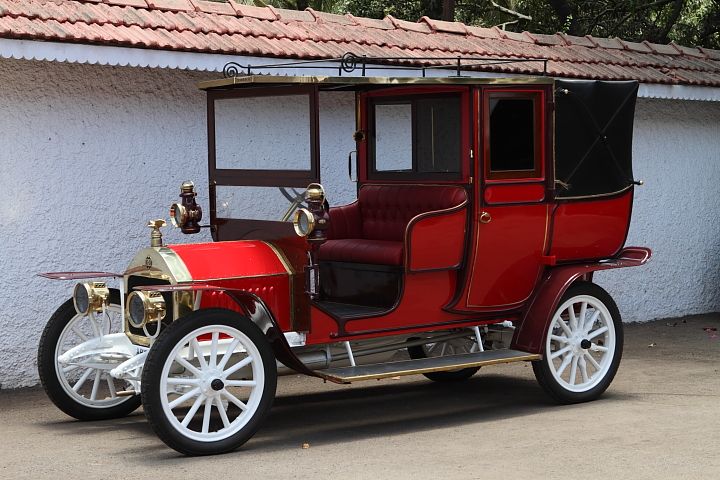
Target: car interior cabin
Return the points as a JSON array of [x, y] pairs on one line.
[[459, 203]]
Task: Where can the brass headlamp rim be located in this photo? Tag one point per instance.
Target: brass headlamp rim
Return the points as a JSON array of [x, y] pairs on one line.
[[174, 209], [154, 308], [98, 296], [303, 212]]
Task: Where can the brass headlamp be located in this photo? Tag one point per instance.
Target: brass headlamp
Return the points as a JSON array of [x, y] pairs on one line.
[[186, 214], [144, 308], [312, 222], [90, 297]]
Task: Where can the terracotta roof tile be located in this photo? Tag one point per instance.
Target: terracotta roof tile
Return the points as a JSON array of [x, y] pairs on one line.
[[233, 28], [609, 43], [294, 15], [635, 46], [579, 41], [410, 26], [692, 52], [710, 53], [222, 8], [372, 22], [482, 32], [662, 49], [172, 5], [513, 35], [262, 13], [542, 39], [448, 27], [128, 3], [331, 17]]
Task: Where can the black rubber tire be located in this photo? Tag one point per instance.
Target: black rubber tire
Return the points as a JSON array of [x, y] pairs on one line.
[[152, 371], [47, 351], [542, 370], [418, 352]]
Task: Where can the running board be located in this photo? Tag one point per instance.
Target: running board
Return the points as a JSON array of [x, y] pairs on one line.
[[424, 365]]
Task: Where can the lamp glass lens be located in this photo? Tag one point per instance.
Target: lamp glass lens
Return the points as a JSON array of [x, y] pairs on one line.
[[136, 309], [81, 297]]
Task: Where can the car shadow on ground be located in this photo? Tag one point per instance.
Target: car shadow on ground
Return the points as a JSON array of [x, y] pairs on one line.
[[347, 414]]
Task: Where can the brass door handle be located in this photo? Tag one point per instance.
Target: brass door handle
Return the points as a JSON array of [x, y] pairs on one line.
[[484, 217]]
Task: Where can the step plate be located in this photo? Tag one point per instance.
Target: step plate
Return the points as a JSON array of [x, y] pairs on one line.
[[425, 365]]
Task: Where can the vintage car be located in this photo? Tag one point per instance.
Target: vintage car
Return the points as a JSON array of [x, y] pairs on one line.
[[483, 208]]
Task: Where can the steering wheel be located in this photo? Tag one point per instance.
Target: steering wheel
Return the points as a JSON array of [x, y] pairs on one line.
[[296, 199]]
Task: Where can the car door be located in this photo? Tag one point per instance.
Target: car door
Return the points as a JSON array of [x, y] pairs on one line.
[[512, 215]]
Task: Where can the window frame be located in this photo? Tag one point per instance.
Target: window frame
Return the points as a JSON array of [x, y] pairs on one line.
[[266, 178], [538, 99], [412, 98]]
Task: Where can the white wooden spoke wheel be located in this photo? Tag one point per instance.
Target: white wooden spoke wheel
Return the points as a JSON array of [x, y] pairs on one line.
[[583, 345], [455, 346], [208, 381], [83, 389]]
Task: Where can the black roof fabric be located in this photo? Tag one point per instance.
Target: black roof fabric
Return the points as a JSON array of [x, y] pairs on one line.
[[593, 136]]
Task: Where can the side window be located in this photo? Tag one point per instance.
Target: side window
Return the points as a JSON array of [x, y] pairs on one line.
[[512, 135], [415, 137], [393, 137]]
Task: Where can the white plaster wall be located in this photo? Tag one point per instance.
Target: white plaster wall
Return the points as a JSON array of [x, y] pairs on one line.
[[676, 151], [90, 153]]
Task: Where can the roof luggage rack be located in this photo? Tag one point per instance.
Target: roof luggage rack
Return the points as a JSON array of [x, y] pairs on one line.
[[350, 62]]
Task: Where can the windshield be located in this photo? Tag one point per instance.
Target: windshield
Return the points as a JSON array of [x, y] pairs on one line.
[[263, 152], [263, 133]]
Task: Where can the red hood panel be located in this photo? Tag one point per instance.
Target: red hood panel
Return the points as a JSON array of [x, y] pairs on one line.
[[218, 260]]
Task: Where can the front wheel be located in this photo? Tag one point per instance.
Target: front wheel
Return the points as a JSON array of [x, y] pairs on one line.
[[583, 345], [208, 382], [85, 391]]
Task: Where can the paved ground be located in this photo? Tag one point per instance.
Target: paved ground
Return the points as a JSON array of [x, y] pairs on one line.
[[659, 419]]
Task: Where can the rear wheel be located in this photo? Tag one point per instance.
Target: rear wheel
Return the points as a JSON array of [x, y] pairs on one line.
[[583, 345], [85, 392], [455, 346], [208, 382]]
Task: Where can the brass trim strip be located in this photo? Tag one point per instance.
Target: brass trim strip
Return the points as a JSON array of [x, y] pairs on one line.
[[281, 256], [478, 363]]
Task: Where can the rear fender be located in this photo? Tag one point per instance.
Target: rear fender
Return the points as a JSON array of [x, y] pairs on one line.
[[256, 310], [530, 334]]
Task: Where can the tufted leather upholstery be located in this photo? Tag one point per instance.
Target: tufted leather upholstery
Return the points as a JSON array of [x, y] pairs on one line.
[[372, 230]]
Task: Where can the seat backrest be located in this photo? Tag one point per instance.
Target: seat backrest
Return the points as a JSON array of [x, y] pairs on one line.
[[387, 209]]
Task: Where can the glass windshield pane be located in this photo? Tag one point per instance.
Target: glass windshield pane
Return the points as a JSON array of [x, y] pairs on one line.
[[255, 203], [393, 137], [263, 133]]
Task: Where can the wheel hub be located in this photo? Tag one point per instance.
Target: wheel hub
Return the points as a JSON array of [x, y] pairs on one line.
[[211, 383]]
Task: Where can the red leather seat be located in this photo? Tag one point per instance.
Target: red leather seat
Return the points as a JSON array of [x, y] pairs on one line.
[[372, 230]]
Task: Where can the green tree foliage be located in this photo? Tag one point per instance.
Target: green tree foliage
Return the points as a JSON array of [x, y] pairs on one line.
[[687, 22]]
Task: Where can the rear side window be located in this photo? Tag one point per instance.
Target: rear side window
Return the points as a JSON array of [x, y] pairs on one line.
[[512, 135], [415, 137]]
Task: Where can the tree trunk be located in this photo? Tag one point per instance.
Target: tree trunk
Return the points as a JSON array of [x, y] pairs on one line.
[[448, 10], [432, 8], [565, 12]]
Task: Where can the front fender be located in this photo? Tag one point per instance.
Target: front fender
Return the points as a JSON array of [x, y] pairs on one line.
[[256, 310], [530, 334]]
